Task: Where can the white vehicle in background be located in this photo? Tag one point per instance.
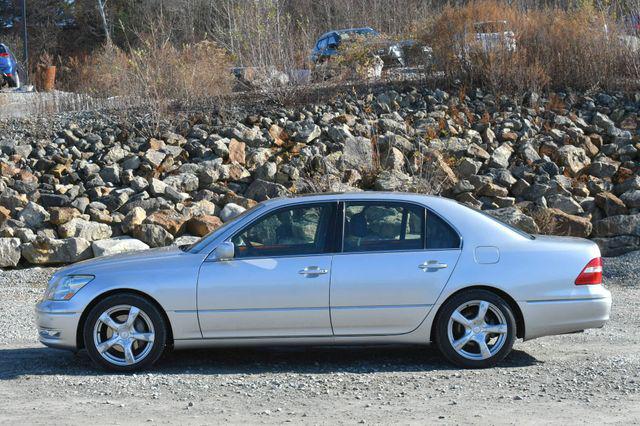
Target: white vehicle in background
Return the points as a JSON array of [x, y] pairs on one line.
[[490, 36]]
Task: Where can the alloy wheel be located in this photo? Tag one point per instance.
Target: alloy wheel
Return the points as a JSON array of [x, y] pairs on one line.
[[477, 330], [123, 335]]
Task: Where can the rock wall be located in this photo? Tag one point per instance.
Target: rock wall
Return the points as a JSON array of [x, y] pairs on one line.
[[84, 185]]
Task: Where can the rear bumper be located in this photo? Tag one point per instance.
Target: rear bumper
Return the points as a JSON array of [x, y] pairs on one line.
[[57, 328], [550, 317]]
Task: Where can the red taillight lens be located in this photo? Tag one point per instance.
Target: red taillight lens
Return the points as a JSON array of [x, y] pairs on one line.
[[4, 55], [592, 273]]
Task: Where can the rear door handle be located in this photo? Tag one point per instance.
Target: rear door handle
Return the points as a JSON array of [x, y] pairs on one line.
[[313, 270], [432, 265]]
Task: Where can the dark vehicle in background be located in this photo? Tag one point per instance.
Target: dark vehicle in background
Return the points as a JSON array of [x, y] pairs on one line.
[[328, 45], [8, 68]]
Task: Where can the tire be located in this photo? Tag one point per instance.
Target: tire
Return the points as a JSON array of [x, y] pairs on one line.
[[125, 321], [497, 328], [14, 81]]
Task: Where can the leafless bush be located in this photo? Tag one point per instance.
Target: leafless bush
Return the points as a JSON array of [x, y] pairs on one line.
[[556, 48], [156, 72]]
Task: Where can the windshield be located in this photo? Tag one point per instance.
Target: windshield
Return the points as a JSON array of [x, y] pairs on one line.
[[204, 241]]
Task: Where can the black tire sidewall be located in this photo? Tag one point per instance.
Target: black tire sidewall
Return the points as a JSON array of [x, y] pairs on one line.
[[442, 323], [156, 317]]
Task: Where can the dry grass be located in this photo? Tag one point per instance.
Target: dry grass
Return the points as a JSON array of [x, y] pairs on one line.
[[556, 48], [156, 72]]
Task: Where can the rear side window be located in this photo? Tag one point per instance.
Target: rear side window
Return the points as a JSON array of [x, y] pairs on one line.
[[375, 226], [440, 235], [3, 49]]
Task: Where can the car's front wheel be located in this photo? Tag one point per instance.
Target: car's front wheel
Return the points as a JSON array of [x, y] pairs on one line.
[[125, 332], [475, 329]]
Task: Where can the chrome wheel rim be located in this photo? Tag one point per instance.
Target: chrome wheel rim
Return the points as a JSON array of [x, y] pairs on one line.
[[123, 335], [477, 330]]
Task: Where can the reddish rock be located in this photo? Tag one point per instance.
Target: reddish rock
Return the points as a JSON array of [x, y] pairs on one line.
[[172, 221], [202, 225], [237, 151]]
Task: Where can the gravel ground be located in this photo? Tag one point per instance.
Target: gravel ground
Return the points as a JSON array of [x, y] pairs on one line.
[[592, 377]]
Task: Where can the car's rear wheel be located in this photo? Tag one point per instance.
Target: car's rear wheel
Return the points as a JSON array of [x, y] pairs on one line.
[[475, 329], [14, 81], [125, 332]]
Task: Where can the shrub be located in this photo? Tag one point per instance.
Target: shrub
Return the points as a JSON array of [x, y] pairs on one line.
[[155, 72], [556, 48]]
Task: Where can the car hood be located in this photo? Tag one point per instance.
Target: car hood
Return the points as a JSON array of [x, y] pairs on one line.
[[123, 260]]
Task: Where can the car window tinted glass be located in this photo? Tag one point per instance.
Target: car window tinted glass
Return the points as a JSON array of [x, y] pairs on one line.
[[383, 227], [286, 232], [439, 234]]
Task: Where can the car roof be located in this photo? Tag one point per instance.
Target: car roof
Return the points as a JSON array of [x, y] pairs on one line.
[[362, 196]]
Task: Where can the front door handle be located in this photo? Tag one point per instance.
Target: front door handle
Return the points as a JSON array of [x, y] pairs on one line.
[[432, 265], [313, 270]]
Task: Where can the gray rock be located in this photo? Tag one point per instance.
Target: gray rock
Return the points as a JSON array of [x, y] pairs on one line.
[[117, 245], [153, 235], [80, 228], [564, 203], [468, 167], [33, 215], [617, 225], [392, 180], [573, 158], [501, 155], [631, 198], [9, 252], [358, 154], [514, 217], [615, 246], [230, 211], [46, 251], [261, 190]]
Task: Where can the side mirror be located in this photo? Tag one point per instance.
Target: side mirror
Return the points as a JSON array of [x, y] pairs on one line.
[[225, 251]]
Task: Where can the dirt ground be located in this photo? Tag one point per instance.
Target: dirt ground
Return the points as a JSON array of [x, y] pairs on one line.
[[592, 377]]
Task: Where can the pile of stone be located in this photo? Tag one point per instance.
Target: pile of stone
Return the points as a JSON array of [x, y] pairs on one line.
[[567, 165]]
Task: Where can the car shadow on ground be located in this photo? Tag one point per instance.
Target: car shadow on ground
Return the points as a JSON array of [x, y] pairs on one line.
[[15, 362]]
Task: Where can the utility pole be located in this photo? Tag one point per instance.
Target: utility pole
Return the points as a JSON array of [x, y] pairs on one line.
[[25, 41]]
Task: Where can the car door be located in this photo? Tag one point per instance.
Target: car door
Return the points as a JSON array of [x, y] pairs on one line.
[[395, 261], [277, 284]]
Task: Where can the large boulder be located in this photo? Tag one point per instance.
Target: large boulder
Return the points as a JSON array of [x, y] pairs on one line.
[[514, 217], [564, 223], [230, 211], [9, 252], [46, 251], [153, 235], [170, 220], [357, 154], [117, 245], [574, 159], [615, 246], [202, 225], [617, 225], [34, 215], [80, 228], [261, 190]]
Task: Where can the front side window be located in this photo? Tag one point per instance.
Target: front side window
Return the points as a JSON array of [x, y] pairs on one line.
[[290, 231], [374, 226]]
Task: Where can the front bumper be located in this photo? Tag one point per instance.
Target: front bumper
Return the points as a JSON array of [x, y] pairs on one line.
[[57, 325], [551, 317]]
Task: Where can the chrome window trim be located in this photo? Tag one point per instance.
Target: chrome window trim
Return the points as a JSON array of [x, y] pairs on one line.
[[301, 201]]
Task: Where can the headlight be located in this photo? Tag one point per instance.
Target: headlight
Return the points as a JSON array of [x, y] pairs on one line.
[[66, 287]]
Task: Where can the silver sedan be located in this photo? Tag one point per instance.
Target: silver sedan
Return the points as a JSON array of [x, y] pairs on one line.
[[358, 268]]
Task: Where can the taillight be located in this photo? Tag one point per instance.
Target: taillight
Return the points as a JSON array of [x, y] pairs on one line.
[[4, 55], [592, 273]]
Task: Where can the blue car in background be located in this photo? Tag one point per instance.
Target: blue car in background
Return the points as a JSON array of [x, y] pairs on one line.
[[392, 53], [8, 68]]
